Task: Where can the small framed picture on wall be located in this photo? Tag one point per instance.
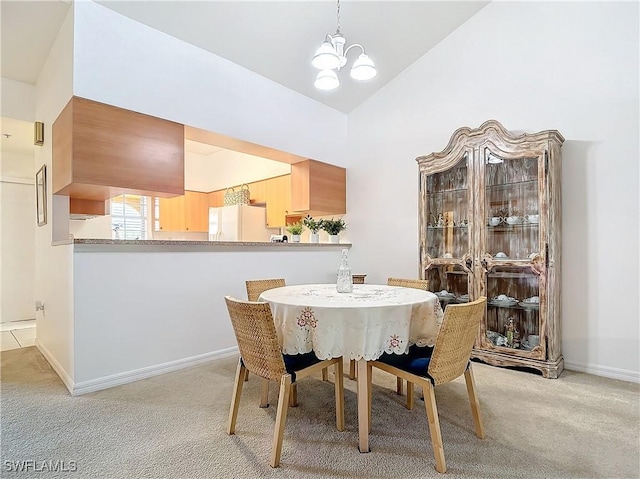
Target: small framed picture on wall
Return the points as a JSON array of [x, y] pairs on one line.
[[41, 195]]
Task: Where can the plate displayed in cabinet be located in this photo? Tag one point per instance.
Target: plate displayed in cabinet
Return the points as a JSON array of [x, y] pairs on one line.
[[529, 305], [503, 304], [442, 295], [526, 346]]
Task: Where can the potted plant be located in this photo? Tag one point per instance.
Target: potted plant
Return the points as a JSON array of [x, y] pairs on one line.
[[333, 228], [314, 226], [296, 230]]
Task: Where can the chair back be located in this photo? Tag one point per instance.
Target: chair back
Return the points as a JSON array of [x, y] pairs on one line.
[[257, 339], [409, 283], [455, 340], [256, 286]]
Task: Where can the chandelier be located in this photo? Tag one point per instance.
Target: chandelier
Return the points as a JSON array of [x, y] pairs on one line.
[[332, 56]]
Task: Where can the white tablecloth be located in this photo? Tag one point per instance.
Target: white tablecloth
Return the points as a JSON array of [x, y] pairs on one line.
[[360, 325]]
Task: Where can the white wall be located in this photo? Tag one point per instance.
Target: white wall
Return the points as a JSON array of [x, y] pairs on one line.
[[17, 266], [569, 66], [98, 227], [226, 168], [53, 264], [138, 313], [18, 100], [17, 211]]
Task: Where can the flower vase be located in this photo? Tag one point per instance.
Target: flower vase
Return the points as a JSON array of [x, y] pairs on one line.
[[295, 238], [334, 238], [314, 238]]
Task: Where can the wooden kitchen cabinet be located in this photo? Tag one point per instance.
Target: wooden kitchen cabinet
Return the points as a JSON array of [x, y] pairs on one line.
[[278, 199], [490, 225], [172, 214], [189, 212], [318, 188], [196, 211], [216, 198], [100, 151], [258, 192]]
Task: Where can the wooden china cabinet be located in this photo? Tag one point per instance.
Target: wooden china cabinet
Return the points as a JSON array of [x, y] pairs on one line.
[[489, 219]]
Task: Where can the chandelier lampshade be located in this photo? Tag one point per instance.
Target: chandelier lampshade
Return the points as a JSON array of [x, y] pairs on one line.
[[326, 57], [327, 80], [363, 68]]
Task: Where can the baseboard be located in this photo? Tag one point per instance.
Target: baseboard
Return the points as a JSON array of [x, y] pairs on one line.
[[613, 373], [106, 382], [57, 367]]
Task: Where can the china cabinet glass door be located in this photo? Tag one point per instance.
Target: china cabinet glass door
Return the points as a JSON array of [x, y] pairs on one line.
[[512, 322], [512, 207], [510, 247], [446, 238]]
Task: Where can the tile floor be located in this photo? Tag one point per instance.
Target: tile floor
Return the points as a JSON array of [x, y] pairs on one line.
[[17, 334]]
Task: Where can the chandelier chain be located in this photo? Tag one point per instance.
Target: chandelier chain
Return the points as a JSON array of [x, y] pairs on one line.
[[338, 17]]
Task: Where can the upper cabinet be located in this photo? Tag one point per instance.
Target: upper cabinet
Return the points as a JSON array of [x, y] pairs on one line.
[[189, 212], [101, 151], [489, 222], [278, 199], [318, 188]]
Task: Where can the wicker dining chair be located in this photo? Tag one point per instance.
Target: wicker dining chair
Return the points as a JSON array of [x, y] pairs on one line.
[[446, 361], [405, 283], [422, 284], [255, 287], [260, 353], [358, 278]]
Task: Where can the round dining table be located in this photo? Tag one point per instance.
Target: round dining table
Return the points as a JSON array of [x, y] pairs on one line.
[[361, 325]]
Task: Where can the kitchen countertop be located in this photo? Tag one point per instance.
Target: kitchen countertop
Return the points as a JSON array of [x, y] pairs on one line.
[[185, 245]]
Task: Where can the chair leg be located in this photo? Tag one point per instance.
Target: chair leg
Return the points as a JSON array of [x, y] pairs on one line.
[[281, 419], [235, 398], [246, 375], [293, 397], [325, 374], [409, 395], [434, 427], [339, 387], [399, 386], [473, 401], [352, 369], [264, 393]]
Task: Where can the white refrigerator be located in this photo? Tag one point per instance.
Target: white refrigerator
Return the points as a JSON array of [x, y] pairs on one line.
[[239, 223]]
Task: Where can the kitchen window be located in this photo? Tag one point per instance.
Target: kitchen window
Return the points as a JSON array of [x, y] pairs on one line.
[[129, 217]]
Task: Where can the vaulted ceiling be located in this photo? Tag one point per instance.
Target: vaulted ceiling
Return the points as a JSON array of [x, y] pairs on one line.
[[275, 39]]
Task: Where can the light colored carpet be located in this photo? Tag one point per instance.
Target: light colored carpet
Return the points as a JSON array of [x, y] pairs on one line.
[[172, 426]]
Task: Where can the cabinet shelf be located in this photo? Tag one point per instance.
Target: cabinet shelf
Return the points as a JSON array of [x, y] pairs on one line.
[[504, 275], [511, 228], [511, 185], [445, 228], [434, 194]]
